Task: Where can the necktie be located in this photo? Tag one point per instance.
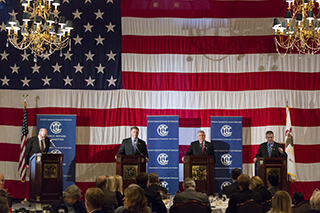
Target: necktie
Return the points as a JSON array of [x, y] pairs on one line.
[[270, 150], [134, 146], [202, 147], [41, 146]]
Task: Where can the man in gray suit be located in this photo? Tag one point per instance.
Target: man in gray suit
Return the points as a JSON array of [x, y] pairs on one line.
[[189, 186], [110, 201], [133, 145]]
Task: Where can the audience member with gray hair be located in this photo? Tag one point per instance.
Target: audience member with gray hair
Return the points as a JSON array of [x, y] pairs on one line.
[[70, 201], [189, 193]]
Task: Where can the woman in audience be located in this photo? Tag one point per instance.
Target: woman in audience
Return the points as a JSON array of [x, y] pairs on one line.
[[315, 202], [134, 201], [111, 181], [281, 202], [256, 184], [118, 186], [70, 201]]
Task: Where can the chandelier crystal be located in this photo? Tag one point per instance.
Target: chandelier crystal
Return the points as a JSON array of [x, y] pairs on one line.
[[300, 28], [42, 31]]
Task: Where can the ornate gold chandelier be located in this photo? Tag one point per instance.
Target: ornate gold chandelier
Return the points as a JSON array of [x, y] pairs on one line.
[[300, 28], [41, 31]]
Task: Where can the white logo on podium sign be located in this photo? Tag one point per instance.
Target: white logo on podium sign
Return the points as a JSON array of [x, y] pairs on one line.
[[162, 130], [224, 184], [162, 159], [55, 127], [226, 159], [164, 184], [226, 130]]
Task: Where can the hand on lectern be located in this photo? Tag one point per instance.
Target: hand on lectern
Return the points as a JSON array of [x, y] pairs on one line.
[[182, 159], [27, 166], [147, 159], [115, 157], [255, 159]]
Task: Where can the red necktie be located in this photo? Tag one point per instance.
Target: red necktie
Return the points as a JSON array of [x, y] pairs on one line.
[[202, 147]]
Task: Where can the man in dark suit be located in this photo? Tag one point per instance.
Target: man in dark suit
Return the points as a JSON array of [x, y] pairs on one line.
[[133, 145], [153, 197], [273, 180], [244, 195], [234, 187], [110, 200], [201, 146], [189, 186], [37, 144], [94, 200], [270, 148]]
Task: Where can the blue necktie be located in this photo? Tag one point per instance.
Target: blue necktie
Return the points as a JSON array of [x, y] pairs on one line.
[[270, 150], [134, 146]]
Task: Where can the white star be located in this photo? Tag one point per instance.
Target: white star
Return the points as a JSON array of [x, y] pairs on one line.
[[77, 14], [46, 81], [13, 13], [66, 1], [46, 56], [2, 26], [110, 1], [99, 14], [56, 67], [44, 26], [90, 81], [35, 68], [111, 81], [5, 81], [56, 13], [25, 56], [89, 56], [88, 27], [87, 1], [110, 27], [15, 69], [78, 68], [4, 55], [67, 81], [25, 82], [67, 55], [100, 68], [77, 40], [111, 56], [99, 40]]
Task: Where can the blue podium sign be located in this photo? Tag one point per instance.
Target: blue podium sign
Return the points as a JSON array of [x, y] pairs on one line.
[[226, 136], [62, 131], [163, 150]]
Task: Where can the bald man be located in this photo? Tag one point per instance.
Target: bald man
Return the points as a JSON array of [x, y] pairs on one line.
[[37, 144]]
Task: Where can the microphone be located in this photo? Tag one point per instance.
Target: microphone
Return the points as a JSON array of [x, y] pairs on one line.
[[52, 143], [136, 142], [275, 151]]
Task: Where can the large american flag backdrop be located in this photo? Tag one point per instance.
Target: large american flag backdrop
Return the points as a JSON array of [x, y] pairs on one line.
[[130, 59]]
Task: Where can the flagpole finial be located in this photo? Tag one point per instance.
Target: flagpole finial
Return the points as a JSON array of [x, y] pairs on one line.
[[25, 96]]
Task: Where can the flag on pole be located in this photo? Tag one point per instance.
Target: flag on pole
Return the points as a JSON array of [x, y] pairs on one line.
[[24, 141], [289, 148]]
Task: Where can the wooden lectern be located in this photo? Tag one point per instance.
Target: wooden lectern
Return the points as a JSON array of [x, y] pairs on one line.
[[273, 165], [201, 169], [128, 166], [46, 177]]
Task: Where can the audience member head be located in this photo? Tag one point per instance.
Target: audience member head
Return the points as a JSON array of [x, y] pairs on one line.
[[135, 200], [189, 183], [235, 173], [243, 181], [2, 180], [101, 182], [154, 178], [281, 202], [297, 198], [72, 194], [315, 200], [94, 199], [111, 183], [273, 179], [256, 182], [142, 179], [118, 184]]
